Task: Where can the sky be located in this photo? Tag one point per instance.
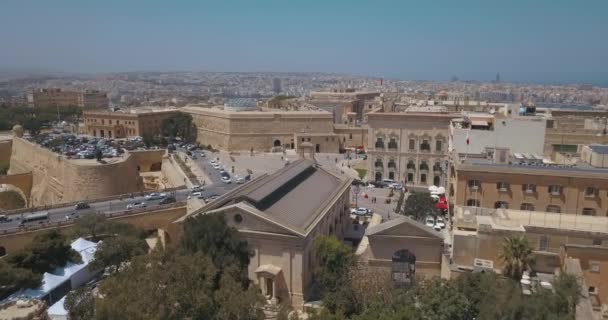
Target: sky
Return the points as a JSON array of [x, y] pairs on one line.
[[524, 40]]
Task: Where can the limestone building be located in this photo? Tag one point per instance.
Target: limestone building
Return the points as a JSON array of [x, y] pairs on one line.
[[55, 97], [259, 129], [126, 123], [478, 233], [280, 215], [404, 247], [531, 183], [568, 130], [409, 147], [342, 101]]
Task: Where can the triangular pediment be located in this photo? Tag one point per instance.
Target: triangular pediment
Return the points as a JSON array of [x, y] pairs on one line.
[[247, 218], [403, 227]]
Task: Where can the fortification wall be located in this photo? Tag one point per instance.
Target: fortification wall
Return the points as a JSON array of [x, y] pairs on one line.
[[57, 179], [5, 151]]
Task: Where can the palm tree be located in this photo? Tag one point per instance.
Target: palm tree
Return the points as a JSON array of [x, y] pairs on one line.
[[516, 254]]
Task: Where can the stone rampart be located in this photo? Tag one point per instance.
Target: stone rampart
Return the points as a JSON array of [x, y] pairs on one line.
[[57, 179]]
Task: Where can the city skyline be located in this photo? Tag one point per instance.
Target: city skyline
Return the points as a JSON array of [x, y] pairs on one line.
[[474, 41]]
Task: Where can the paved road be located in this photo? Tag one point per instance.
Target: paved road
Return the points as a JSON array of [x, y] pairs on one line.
[[216, 188]]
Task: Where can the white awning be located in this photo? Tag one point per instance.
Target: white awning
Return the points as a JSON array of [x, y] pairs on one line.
[[268, 268]]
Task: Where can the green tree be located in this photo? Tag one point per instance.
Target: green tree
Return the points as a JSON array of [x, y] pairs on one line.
[[45, 253], [173, 286], [80, 304], [33, 125], [210, 235], [419, 205], [113, 252], [148, 139], [179, 125], [90, 225], [334, 260], [12, 278], [516, 255]]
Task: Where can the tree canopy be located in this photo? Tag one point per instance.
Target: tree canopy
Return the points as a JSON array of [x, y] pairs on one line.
[[179, 125], [210, 235], [419, 205], [46, 252], [13, 278]]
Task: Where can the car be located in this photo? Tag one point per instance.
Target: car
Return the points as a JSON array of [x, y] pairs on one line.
[[82, 206], [195, 194], [213, 161], [226, 179], [136, 205], [155, 196], [395, 186], [168, 200], [212, 198], [360, 211], [240, 180], [202, 154], [440, 222], [4, 218], [437, 227], [216, 166], [429, 221], [197, 188]]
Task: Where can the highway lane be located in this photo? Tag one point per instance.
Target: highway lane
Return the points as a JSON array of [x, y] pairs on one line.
[[108, 207], [62, 214]]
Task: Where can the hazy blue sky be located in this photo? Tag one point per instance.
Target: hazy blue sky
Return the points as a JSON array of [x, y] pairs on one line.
[[535, 40]]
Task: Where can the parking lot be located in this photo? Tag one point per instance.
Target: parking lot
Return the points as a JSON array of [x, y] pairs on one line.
[[82, 147]]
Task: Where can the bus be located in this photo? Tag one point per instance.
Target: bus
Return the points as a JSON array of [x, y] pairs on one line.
[[40, 216]]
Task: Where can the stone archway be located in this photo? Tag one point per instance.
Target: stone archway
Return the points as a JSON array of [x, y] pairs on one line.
[[11, 197]]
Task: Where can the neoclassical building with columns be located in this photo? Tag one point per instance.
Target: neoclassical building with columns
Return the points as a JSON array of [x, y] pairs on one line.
[[410, 147]]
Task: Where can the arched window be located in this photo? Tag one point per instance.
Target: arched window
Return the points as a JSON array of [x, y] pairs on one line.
[[392, 144], [411, 165], [378, 163], [425, 146], [424, 165], [392, 164], [437, 167]]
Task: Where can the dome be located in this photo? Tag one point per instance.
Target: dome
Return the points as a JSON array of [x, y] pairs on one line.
[[18, 130]]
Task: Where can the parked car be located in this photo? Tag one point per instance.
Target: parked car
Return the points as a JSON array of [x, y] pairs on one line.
[[440, 222], [396, 186], [168, 200], [216, 166], [197, 188], [226, 179], [240, 180], [4, 218], [360, 211], [81, 206], [136, 205], [429, 221]]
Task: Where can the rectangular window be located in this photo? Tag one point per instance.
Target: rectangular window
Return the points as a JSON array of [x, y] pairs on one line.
[[423, 178], [591, 192], [529, 188], [474, 184], [555, 190], [438, 146], [502, 186], [594, 266], [592, 290], [543, 243], [412, 145]]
